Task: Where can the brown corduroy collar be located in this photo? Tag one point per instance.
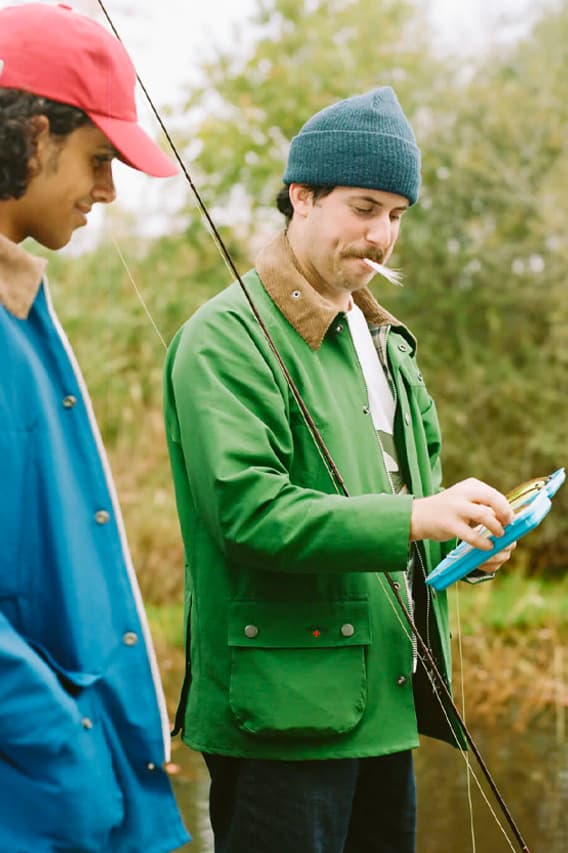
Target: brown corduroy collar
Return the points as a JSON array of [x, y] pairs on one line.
[[310, 313], [20, 278]]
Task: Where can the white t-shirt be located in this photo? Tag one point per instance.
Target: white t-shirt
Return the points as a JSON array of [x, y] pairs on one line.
[[382, 403]]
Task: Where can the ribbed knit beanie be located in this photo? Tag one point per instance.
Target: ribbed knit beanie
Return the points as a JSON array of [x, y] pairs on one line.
[[364, 141]]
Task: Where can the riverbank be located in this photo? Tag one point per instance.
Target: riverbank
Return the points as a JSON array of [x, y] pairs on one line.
[[510, 638]]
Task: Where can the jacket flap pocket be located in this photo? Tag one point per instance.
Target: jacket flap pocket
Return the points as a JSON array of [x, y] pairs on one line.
[[75, 678], [289, 624]]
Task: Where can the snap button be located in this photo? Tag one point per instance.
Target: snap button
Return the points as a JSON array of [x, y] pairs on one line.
[[420, 377], [347, 630], [401, 680], [69, 401], [150, 766], [407, 418], [403, 347], [396, 585], [296, 294], [130, 638], [366, 410], [339, 328], [102, 516], [87, 723], [251, 631]]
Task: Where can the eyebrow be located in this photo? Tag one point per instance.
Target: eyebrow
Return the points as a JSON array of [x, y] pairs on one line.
[[108, 148]]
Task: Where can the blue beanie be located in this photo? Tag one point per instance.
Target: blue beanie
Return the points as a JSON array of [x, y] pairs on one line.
[[364, 141]]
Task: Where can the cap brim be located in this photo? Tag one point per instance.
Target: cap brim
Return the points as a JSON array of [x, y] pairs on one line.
[[135, 147]]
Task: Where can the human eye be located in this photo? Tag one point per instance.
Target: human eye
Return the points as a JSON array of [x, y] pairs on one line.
[[362, 210], [397, 214], [102, 159]]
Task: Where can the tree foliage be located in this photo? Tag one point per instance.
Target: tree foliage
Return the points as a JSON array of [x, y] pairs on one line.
[[484, 253]]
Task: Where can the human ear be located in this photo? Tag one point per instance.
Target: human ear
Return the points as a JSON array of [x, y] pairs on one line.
[[41, 137], [301, 199]]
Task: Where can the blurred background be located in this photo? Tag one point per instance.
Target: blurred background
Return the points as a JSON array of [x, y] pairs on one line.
[[484, 256]]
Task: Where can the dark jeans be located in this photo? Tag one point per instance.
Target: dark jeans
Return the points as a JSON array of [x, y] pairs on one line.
[[365, 805]]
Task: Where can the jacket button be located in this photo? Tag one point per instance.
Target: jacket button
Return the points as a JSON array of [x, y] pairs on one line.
[[150, 766], [339, 328], [102, 516], [403, 347], [296, 294], [401, 680], [347, 630], [366, 410], [69, 401], [130, 638], [396, 585], [87, 723], [251, 631], [407, 418]]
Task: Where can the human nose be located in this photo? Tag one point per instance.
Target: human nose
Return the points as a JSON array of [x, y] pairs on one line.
[[379, 232], [104, 190]]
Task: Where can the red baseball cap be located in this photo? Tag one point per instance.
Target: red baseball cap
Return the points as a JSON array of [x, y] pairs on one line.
[[56, 53]]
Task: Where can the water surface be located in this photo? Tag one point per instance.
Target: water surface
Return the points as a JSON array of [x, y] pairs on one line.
[[530, 769]]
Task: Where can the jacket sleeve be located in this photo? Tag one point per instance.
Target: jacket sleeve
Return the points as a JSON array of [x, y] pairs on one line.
[[36, 713], [227, 415]]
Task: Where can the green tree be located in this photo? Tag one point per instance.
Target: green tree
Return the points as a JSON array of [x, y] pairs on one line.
[[304, 56], [484, 252]]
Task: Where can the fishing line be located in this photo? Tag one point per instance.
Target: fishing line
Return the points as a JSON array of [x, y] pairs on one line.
[[451, 725], [462, 691], [434, 672], [138, 293]]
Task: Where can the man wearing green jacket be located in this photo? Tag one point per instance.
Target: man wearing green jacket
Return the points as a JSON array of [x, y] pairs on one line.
[[304, 691]]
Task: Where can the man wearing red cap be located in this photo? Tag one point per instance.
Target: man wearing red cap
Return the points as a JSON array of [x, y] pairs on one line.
[[83, 727]]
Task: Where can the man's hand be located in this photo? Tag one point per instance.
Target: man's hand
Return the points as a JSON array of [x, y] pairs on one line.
[[494, 563], [458, 511]]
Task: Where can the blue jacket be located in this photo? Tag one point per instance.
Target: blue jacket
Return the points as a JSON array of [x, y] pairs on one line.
[[83, 727]]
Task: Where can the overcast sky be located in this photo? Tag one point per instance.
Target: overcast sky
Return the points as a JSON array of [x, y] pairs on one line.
[[167, 37]]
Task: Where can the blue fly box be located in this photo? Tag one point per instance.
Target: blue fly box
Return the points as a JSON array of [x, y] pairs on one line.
[[532, 502]]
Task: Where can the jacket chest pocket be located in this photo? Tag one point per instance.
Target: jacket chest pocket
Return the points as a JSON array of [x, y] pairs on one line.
[[298, 670]]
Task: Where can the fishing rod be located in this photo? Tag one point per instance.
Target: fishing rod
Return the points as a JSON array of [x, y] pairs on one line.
[[433, 672]]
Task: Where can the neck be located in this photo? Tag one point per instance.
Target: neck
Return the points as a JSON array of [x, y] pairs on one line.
[[8, 224]]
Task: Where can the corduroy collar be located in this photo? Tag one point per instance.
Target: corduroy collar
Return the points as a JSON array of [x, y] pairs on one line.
[[20, 278], [310, 313]]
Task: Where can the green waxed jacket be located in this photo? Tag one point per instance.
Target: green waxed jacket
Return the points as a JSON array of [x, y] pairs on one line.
[[297, 648]]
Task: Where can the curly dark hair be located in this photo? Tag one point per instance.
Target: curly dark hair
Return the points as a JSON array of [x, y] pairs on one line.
[[18, 134], [284, 204]]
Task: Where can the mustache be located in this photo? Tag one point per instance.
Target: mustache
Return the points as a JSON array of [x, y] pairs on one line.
[[373, 255]]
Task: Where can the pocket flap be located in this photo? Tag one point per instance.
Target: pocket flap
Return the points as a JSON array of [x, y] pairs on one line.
[[289, 624], [76, 678]]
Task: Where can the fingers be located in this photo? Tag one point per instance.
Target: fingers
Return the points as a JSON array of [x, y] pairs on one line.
[[495, 562], [485, 516], [458, 510], [473, 537], [487, 496]]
